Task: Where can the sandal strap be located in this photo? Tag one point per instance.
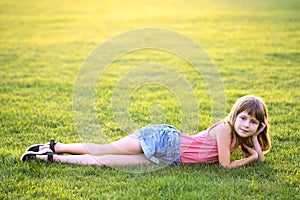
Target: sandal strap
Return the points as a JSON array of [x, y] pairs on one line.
[[50, 157], [52, 144]]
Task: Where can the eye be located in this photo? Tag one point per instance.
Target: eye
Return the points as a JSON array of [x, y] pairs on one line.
[[254, 122], [243, 117]]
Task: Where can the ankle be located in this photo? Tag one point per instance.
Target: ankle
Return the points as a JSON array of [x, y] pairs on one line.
[[57, 147]]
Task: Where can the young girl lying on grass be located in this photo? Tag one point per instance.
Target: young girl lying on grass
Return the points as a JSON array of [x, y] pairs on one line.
[[245, 126]]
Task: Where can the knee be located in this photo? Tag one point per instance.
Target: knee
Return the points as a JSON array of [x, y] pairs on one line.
[[104, 160]]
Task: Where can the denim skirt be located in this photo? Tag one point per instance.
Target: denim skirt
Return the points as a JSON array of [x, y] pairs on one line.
[[160, 143]]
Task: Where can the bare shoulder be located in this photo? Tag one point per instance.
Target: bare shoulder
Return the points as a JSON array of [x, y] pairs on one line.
[[226, 128], [221, 129]]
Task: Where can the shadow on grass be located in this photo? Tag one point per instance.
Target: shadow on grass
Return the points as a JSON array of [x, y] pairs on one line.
[[205, 180]]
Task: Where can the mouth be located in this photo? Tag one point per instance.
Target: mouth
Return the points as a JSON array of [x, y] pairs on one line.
[[244, 131]]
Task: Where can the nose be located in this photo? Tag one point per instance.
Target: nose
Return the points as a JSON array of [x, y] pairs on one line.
[[246, 123]]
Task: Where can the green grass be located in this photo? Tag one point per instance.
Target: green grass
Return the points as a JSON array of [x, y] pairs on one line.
[[254, 44]]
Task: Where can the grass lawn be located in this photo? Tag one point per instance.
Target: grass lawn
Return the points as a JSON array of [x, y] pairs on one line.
[[254, 44]]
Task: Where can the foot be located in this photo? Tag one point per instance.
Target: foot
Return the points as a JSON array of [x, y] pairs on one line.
[[31, 155], [39, 147]]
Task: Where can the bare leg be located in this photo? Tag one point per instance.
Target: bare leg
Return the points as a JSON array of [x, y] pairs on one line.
[[127, 145], [106, 160]]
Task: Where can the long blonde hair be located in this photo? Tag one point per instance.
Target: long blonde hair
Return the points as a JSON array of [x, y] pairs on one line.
[[255, 107]]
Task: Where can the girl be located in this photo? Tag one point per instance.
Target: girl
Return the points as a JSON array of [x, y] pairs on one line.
[[245, 126]]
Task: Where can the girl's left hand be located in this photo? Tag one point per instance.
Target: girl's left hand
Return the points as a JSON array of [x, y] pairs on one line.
[[251, 152], [264, 125]]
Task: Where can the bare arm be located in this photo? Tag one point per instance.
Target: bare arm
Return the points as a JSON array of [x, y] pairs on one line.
[[261, 157], [224, 142]]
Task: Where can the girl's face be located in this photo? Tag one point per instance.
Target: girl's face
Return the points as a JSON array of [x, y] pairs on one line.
[[245, 125]]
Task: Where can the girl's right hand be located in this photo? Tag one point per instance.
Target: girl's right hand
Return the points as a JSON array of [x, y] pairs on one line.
[[263, 126]]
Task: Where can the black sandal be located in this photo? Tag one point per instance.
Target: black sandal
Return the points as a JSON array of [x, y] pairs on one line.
[[31, 155], [50, 157], [36, 147], [52, 144]]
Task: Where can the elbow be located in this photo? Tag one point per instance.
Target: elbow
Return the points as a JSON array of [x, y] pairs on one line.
[[226, 165], [261, 160]]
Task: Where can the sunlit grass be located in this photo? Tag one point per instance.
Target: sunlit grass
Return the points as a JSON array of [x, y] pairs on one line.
[[254, 44]]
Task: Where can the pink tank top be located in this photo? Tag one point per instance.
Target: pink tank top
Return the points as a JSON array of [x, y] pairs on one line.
[[200, 148]]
